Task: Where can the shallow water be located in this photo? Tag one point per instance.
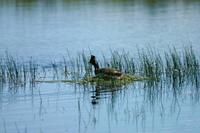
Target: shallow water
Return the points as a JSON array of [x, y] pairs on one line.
[[46, 29], [137, 107]]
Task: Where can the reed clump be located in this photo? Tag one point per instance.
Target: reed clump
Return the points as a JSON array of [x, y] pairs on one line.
[[175, 66], [17, 72]]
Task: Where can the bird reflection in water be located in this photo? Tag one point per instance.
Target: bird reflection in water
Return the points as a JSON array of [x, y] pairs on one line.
[[103, 91]]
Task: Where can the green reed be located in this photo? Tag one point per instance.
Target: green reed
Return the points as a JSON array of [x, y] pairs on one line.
[[65, 67], [122, 61], [172, 65], [15, 71], [2, 72], [191, 63], [87, 66], [54, 66]]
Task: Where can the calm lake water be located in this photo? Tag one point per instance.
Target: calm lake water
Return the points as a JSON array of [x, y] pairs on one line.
[[47, 29]]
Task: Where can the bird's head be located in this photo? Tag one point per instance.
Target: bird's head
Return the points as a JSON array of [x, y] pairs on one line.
[[92, 60]]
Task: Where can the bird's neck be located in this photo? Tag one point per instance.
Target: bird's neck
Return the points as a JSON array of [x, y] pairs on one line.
[[96, 67]]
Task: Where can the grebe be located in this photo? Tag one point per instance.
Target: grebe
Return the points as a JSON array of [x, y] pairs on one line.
[[105, 72]]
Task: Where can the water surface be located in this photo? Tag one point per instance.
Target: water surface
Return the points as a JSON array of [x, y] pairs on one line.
[[47, 29]]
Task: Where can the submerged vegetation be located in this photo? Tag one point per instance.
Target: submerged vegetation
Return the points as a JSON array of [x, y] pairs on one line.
[[175, 67]]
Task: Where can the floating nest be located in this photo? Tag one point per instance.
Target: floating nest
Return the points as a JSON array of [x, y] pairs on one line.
[[110, 80], [102, 80]]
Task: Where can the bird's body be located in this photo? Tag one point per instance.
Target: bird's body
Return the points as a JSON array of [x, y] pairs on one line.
[[105, 72], [108, 71]]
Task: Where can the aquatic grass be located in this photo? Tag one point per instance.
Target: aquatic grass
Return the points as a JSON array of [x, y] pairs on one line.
[[174, 67], [55, 69], [182, 66], [87, 66], [80, 64], [191, 63], [72, 66], [129, 66], [176, 64], [150, 64], [32, 70], [159, 66], [2, 72], [65, 68], [122, 61], [13, 69], [147, 64], [116, 60]]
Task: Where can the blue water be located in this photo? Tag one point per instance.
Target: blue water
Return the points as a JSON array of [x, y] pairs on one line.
[[47, 29], [66, 108]]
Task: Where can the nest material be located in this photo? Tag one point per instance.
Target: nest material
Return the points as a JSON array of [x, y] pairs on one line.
[[102, 79], [106, 79]]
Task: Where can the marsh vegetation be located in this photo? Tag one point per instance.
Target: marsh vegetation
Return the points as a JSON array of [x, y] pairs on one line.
[[154, 83], [172, 66]]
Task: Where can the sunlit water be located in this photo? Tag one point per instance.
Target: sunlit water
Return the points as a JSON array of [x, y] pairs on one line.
[[47, 29]]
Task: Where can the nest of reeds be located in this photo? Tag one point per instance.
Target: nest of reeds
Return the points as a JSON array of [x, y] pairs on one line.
[[113, 81], [102, 80]]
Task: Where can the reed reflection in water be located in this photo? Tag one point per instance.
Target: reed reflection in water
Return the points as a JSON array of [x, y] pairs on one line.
[[142, 106]]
